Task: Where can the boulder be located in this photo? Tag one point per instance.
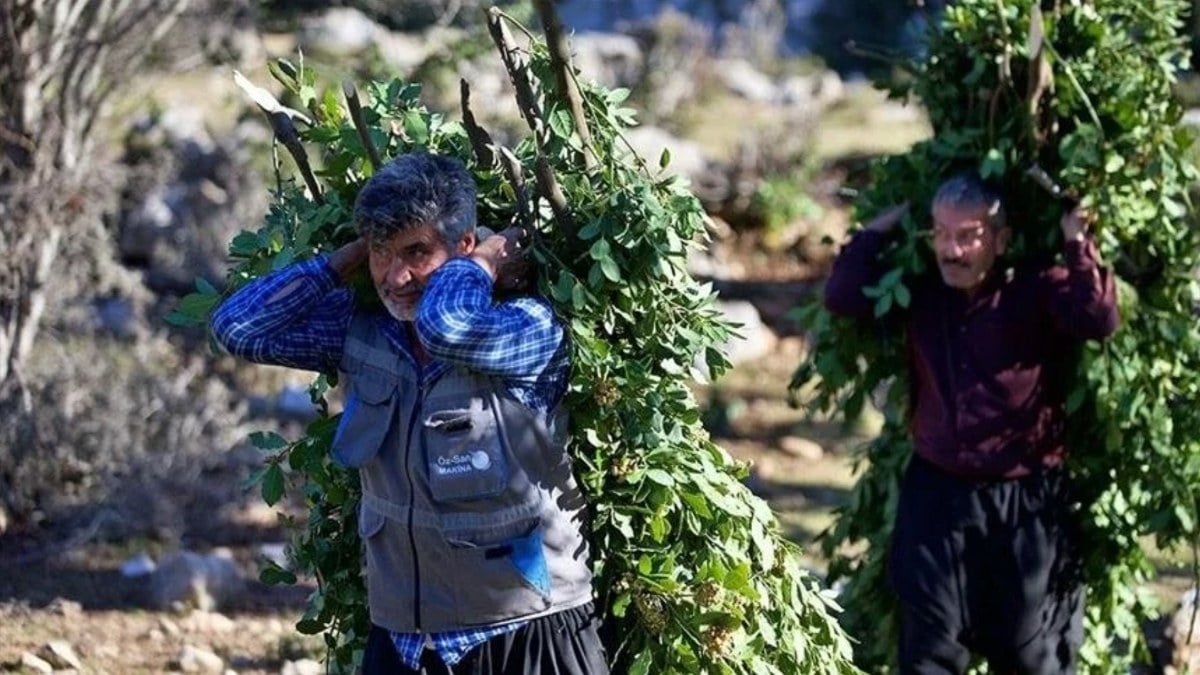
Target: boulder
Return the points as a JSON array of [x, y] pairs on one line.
[[338, 31], [611, 59], [756, 339], [744, 80], [198, 660], [30, 663], [302, 667], [61, 655], [187, 579]]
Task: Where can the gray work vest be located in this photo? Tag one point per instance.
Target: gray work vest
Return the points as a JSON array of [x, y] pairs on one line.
[[470, 512]]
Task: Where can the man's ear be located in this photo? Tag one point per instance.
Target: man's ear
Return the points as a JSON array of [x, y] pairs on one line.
[[466, 245], [1002, 239]]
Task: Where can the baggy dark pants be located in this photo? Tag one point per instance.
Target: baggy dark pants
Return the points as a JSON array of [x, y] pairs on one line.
[[564, 643], [990, 568]]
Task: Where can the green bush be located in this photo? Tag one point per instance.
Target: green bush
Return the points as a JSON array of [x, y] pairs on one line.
[[1093, 105]]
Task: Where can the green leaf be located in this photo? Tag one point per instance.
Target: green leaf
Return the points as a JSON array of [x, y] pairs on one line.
[[641, 665], [665, 158], [272, 485], [416, 128], [193, 309], [267, 440], [274, 575], [993, 165], [609, 267], [661, 477]]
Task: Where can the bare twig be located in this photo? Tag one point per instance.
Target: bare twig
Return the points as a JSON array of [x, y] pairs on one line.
[[876, 54], [360, 124], [280, 117], [481, 141], [560, 60]]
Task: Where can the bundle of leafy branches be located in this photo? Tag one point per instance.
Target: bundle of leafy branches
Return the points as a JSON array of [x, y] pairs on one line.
[[692, 570], [1083, 90]]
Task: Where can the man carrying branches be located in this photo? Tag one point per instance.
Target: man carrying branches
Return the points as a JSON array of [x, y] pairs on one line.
[[476, 562], [984, 551]]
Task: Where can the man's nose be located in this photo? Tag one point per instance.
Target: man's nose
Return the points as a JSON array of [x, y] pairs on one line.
[[949, 249], [398, 273]]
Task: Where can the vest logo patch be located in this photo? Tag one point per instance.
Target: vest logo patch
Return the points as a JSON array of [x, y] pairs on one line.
[[465, 462]]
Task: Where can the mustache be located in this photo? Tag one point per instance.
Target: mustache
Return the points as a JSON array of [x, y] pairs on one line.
[[953, 262]]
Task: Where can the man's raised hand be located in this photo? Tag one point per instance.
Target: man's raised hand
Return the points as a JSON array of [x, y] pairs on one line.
[[887, 220], [1075, 224], [349, 258], [502, 255]]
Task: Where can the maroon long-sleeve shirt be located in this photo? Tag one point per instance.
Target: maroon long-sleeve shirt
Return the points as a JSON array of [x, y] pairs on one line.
[[988, 373]]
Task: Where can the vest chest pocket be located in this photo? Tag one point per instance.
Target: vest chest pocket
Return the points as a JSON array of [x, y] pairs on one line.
[[464, 454], [368, 417]]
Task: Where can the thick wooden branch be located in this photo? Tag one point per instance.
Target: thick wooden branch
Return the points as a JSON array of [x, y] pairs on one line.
[[560, 60], [481, 140], [518, 72], [360, 124], [280, 117], [512, 169], [552, 192]]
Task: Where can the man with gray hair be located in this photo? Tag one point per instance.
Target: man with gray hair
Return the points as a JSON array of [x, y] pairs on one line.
[[476, 559], [984, 553]]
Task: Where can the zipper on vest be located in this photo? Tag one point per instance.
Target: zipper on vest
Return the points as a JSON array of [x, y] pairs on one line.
[[412, 502]]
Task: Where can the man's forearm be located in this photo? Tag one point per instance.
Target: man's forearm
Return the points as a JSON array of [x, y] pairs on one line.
[[294, 317], [856, 267]]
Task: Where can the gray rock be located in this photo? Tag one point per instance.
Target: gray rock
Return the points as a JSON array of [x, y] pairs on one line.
[[756, 339], [302, 667], [168, 627], [65, 608], [819, 90], [1191, 118], [187, 579], [611, 59], [118, 316], [341, 31], [198, 660], [294, 402], [137, 566], [744, 80], [29, 663], [274, 552], [61, 655], [1184, 634], [801, 448], [403, 51], [207, 623]]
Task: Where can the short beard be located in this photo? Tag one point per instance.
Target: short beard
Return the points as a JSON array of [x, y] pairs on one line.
[[398, 311]]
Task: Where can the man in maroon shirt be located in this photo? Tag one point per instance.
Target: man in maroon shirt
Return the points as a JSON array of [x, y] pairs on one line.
[[983, 555]]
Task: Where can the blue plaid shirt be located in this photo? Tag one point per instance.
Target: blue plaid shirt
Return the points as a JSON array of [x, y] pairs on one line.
[[298, 317]]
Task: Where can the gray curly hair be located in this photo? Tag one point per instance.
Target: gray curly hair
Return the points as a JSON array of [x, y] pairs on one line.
[[970, 191], [414, 190]]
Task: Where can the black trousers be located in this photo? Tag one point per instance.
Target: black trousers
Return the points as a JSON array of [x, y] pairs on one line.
[[990, 568], [565, 643]]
